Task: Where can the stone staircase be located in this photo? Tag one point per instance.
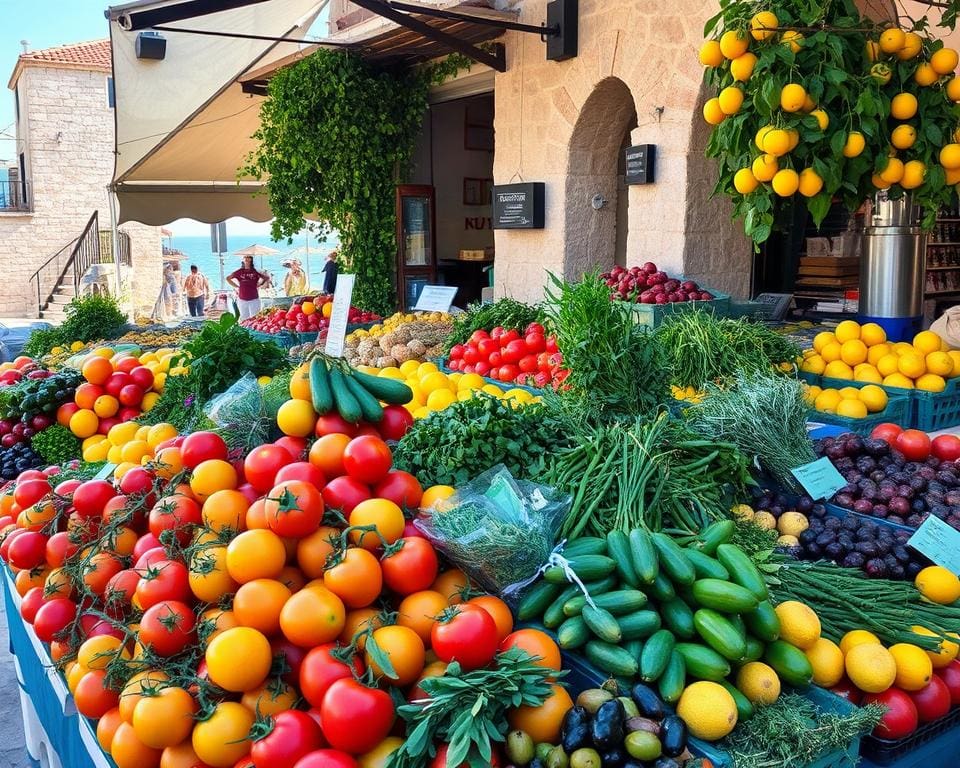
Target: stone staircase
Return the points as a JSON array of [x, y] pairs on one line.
[[55, 311]]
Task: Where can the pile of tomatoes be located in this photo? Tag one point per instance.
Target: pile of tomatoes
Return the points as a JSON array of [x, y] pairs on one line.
[[308, 316], [251, 612], [530, 358]]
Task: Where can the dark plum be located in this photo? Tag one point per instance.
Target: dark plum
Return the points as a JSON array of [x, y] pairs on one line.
[[813, 551], [825, 538], [776, 510], [875, 568], [863, 506], [880, 510], [905, 490], [818, 511], [939, 511], [835, 452], [834, 551], [844, 499], [832, 523], [918, 484], [804, 504], [927, 473], [854, 445], [884, 546], [807, 536], [896, 571], [896, 519], [902, 555], [854, 560], [899, 506], [867, 548], [912, 569], [918, 506], [876, 448], [878, 475]]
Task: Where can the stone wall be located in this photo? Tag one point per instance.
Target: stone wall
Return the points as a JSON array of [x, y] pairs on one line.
[[66, 133]]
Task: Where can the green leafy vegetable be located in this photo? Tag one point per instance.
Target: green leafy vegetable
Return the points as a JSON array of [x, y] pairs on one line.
[[89, 318], [56, 444]]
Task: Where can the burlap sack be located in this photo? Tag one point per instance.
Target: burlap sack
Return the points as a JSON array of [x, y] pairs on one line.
[[947, 326]]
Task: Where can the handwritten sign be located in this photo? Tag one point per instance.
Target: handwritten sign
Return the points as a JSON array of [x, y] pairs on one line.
[[938, 541], [819, 478], [436, 298], [337, 332]]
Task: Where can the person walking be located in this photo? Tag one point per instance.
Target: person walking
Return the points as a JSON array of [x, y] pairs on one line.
[[330, 270], [197, 288], [247, 280], [170, 293], [295, 282]]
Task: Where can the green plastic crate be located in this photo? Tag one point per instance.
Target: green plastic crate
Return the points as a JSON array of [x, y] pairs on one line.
[[652, 315]]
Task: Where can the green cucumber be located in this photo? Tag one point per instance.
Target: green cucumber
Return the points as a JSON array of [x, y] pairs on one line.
[[320, 392], [554, 616], [537, 599], [720, 634], [678, 618], [347, 405], [586, 545], [745, 709], [671, 682], [644, 555], [388, 390], [587, 568], [634, 648], [706, 566], [618, 602], [612, 659], [754, 650], [369, 405], [703, 663], [714, 535], [723, 596], [573, 633], [639, 625], [763, 622], [737, 620], [661, 589], [602, 623], [742, 570], [789, 662], [618, 547], [656, 655], [673, 559]]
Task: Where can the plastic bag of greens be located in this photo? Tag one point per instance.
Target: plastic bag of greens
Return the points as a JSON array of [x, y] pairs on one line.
[[500, 531], [241, 415]]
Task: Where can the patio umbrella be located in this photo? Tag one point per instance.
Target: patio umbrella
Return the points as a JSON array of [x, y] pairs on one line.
[[256, 250]]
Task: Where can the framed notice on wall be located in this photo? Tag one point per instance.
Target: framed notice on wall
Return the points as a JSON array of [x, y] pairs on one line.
[[519, 206]]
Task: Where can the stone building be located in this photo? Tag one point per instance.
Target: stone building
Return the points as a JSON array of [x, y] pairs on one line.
[[63, 164]]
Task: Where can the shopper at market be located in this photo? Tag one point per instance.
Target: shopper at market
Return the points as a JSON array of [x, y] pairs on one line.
[[248, 281], [197, 288], [295, 282], [330, 270]]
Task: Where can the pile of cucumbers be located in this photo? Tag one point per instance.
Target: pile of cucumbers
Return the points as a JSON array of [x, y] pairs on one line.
[[664, 613], [355, 395]]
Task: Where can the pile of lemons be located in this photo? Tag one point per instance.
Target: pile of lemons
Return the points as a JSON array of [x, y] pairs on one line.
[[433, 390], [127, 444], [852, 402], [861, 353], [397, 319]]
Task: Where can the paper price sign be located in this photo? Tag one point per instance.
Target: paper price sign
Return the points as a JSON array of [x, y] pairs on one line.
[[819, 478], [436, 298], [337, 330], [938, 541]]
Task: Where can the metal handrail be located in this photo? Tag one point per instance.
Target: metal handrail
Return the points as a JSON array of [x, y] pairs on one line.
[[84, 251]]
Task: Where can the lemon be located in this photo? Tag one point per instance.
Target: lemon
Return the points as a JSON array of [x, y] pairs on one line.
[[914, 667], [409, 367], [709, 711], [905, 348], [114, 454], [953, 89], [870, 667], [854, 145], [878, 182], [831, 351], [898, 381], [850, 393], [764, 168], [903, 106], [827, 401], [120, 434], [792, 97], [874, 398], [955, 356], [838, 370], [949, 159], [946, 651], [137, 449], [826, 659], [786, 182], [439, 399], [465, 394], [924, 75], [470, 381], [939, 363], [799, 625], [903, 136], [520, 395], [744, 181], [867, 373], [853, 352], [823, 119], [813, 364], [938, 585], [810, 182], [76, 346], [765, 520], [391, 373], [712, 112], [763, 25], [421, 413], [856, 637], [927, 342], [435, 381], [730, 100], [852, 409], [160, 432], [742, 67], [914, 174], [822, 339], [793, 39], [758, 139], [911, 365], [758, 682], [888, 364], [912, 44], [792, 523], [710, 54], [96, 452], [944, 61], [892, 40], [776, 142], [418, 395], [847, 331], [492, 389], [733, 43], [892, 171]]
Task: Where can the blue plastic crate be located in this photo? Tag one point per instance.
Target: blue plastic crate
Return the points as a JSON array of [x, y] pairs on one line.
[[898, 411], [504, 385], [932, 745], [933, 411]]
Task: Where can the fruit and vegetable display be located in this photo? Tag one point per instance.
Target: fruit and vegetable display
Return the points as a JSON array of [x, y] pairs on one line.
[[310, 315], [417, 336], [648, 284], [526, 356]]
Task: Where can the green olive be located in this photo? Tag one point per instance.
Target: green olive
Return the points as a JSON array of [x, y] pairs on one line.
[[520, 749], [592, 698], [557, 759], [585, 758], [643, 745], [543, 750]]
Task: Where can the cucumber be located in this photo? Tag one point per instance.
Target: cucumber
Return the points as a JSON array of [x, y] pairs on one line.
[[644, 555], [678, 618], [754, 650], [742, 570], [737, 620], [661, 589], [745, 709], [618, 602], [671, 682], [587, 545], [789, 662], [705, 566], [723, 596], [537, 599], [320, 392], [587, 567], [388, 390], [347, 405], [673, 559], [612, 659], [369, 405], [714, 535], [763, 622], [554, 616], [618, 547], [573, 633], [703, 663], [602, 623], [720, 634], [634, 648], [601, 586], [656, 655], [639, 625]]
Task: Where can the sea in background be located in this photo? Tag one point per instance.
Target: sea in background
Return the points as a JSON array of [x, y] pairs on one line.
[[197, 251]]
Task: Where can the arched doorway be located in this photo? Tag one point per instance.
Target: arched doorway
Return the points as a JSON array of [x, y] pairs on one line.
[[596, 197]]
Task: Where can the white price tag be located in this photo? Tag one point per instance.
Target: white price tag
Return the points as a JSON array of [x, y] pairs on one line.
[[436, 298], [337, 331]]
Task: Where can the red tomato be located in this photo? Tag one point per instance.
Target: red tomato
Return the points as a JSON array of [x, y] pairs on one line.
[[471, 355], [142, 377], [202, 446], [53, 617], [513, 351], [31, 603], [467, 634], [250, 493], [326, 758], [901, 717], [368, 459], [261, 465], [294, 509], [137, 481], [508, 372], [534, 328], [131, 395], [487, 347], [411, 568], [302, 470], [90, 497], [126, 363], [149, 558], [290, 655], [356, 718], [483, 368], [456, 351], [946, 447], [479, 335], [333, 423], [93, 697], [535, 341], [163, 581], [294, 735], [344, 493], [951, 676], [320, 669], [297, 446], [507, 336], [168, 627], [932, 701], [67, 487], [121, 588], [30, 492], [913, 444], [27, 551], [396, 422], [552, 344], [402, 488], [528, 364], [176, 513]]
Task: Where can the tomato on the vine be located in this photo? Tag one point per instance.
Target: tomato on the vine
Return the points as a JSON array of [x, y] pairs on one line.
[[90, 497], [410, 566], [177, 513], [294, 509], [293, 735], [320, 669], [168, 627], [163, 581], [356, 718], [53, 617], [466, 634]]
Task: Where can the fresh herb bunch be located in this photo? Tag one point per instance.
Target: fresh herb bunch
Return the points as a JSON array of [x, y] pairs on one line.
[[616, 366], [703, 348], [507, 313], [795, 731], [178, 405], [468, 710], [277, 391], [89, 318], [56, 444], [469, 437]]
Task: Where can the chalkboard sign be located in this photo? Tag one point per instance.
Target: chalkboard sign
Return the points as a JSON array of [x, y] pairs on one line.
[[518, 206], [639, 160]]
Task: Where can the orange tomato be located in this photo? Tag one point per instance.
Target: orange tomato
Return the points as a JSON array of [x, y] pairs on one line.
[[258, 554], [258, 604], [535, 643], [312, 616], [209, 579], [356, 579], [27, 580], [357, 621], [107, 727], [123, 540], [326, 454], [97, 652], [168, 462], [386, 516], [59, 649], [128, 751], [74, 674], [225, 509], [256, 517], [96, 370], [271, 698], [239, 659], [150, 680], [293, 577], [218, 620], [499, 612], [223, 738], [543, 722], [419, 611], [180, 756], [86, 395], [38, 515], [57, 584], [406, 653], [166, 719], [433, 669], [313, 551], [211, 476], [452, 584]]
